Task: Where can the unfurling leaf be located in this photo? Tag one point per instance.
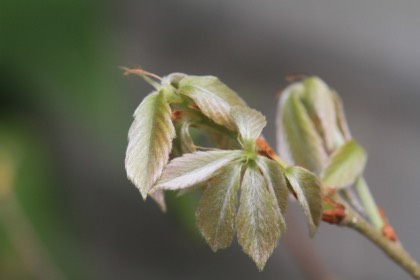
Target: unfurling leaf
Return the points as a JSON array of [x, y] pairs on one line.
[[212, 97], [297, 136], [321, 107], [217, 208], [191, 169], [258, 223], [149, 142], [345, 165], [250, 122], [307, 188], [183, 142]]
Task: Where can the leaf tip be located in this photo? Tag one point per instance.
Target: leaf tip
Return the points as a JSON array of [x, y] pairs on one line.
[[260, 264]]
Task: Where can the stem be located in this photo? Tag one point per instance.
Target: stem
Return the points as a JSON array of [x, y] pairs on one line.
[[393, 249], [369, 203]]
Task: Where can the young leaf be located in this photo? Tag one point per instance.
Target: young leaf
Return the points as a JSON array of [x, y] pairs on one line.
[[173, 79], [191, 169], [212, 97], [217, 208], [250, 122], [296, 132], [307, 188], [345, 165], [258, 224], [276, 182], [183, 143], [320, 104], [149, 142]]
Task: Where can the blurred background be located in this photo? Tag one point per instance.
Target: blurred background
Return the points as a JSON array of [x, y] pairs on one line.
[[67, 210]]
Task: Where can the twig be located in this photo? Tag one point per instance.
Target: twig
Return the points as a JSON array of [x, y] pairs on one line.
[[393, 249]]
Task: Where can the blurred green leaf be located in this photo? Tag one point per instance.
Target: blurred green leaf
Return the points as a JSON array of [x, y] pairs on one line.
[[320, 105], [345, 165], [150, 142], [297, 137], [42, 203]]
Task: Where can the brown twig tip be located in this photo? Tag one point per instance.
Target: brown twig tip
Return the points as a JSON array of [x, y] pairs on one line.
[[139, 71], [265, 149], [294, 77], [335, 212]]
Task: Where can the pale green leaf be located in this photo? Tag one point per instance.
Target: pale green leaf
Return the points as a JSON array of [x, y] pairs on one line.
[[320, 105], [258, 223], [297, 137], [276, 182], [212, 97], [217, 208], [250, 122], [345, 165], [307, 188], [149, 142], [192, 169]]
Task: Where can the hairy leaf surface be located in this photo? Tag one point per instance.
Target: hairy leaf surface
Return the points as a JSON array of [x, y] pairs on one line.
[[276, 183], [217, 208], [191, 169], [297, 137], [307, 188], [250, 122], [149, 142], [345, 165], [258, 224], [213, 97]]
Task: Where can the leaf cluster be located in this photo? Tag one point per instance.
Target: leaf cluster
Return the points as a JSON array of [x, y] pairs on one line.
[[244, 191], [313, 133]]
